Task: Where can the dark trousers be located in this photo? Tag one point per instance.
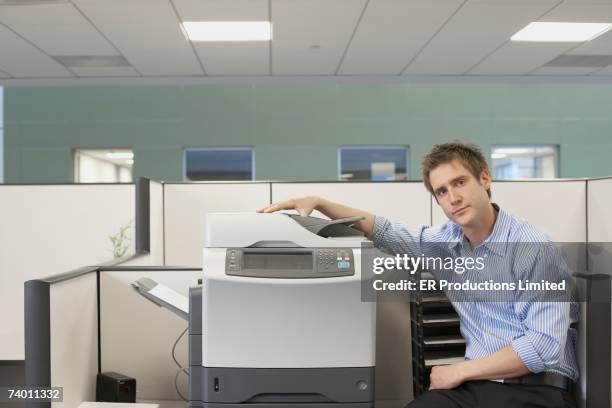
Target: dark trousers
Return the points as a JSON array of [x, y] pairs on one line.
[[490, 394]]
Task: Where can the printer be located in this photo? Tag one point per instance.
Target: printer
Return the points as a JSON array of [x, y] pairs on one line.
[[278, 320]]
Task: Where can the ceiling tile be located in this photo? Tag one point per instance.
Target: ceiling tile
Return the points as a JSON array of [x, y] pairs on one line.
[[229, 58], [519, 58], [105, 71], [588, 1], [477, 29], [58, 29], [580, 60], [310, 37], [564, 71], [599, 46], [223, 10], [147, 33], [604, 72], [235, 58], [580, 12], [22, 60], [391, 32]]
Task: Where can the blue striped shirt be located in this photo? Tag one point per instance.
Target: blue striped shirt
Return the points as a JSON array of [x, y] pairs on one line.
[[539, 331]]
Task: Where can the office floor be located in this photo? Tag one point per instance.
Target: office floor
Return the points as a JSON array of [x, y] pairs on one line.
[[169, 404]]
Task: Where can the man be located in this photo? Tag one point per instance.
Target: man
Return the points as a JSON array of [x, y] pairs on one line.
[[519, 353]]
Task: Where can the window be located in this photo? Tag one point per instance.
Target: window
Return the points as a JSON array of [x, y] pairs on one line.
[[103, 166], [373, 162], [525, 162], [219, 164]]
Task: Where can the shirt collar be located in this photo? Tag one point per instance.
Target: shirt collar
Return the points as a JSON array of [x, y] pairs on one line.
[[497, 241]]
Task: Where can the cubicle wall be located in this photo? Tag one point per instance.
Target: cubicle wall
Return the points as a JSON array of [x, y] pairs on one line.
[[49, 229], [600, 225], [61, 330], [599, 221], [185, 207], [149, 241], [73, 326], [138, 336], [156, 223], [407, 202], [556, 207]]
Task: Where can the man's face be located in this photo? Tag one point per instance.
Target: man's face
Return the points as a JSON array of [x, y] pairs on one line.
[[463, 198]]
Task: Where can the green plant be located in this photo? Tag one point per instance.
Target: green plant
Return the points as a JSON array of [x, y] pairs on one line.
[[120, 241]]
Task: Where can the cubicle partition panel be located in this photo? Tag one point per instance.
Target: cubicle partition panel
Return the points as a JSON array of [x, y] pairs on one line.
[[156, 223], [600, 225], [74, 338], [137, 336], [599, 220], [556, 207], [92, 319], [185, 207], [49, 229], [61, 331], [409, 203], [149, 234]]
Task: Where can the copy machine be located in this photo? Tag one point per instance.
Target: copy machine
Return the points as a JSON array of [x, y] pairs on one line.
[[279, 321]]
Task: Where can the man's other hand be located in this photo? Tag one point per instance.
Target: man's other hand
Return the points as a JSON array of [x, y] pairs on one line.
[[445, 377], [303, 205]]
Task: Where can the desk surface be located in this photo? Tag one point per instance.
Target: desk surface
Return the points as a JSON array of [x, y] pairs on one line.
[[117, 405], [140, 404]]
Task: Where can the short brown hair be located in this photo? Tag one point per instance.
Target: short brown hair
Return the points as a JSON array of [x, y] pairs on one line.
[[469, 155]]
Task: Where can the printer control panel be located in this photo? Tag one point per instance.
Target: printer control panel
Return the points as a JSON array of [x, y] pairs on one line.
[[334, 259], [290, 262]]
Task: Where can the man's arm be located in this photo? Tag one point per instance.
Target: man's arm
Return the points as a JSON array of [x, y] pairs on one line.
[[390, 237], [545, 324], [503, 364], [306, 205]]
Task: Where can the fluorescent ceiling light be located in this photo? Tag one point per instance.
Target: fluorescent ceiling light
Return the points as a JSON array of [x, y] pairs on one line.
[[120, 155], [561, 32], [227, 30], [498, 155]]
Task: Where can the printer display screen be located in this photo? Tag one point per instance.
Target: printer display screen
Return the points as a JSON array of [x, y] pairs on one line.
[[299, 261]]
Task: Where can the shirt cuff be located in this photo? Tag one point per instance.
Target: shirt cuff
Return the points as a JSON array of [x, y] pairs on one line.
[[380, 226], [524, 349]]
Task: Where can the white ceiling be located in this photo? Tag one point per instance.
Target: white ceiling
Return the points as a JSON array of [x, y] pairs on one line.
[[394, 39]]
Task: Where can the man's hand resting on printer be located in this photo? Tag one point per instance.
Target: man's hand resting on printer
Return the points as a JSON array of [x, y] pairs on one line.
[[303, 205], [306, 205]]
